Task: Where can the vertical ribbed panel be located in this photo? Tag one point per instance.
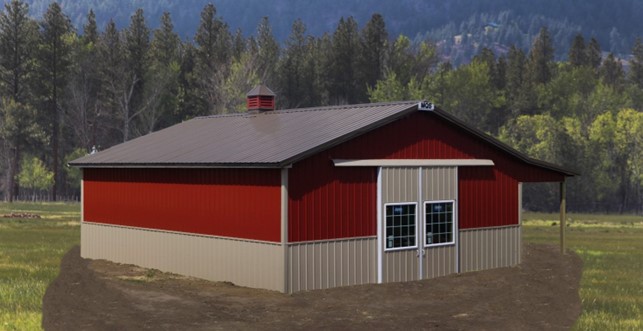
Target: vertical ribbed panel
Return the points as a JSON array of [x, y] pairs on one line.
[[488, 197], [327, 264], [489, 248], [244, 263], [439, 261], [240, 203], [400, 185], [440, 183]]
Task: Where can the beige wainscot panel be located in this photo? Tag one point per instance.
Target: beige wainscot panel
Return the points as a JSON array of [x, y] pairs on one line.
[[326, 264], [245, 263], [488, 248]]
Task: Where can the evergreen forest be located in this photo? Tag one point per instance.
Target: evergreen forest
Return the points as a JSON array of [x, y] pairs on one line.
[[65, 91]]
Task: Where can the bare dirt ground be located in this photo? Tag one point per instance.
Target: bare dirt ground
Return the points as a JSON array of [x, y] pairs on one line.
[[540, 294]]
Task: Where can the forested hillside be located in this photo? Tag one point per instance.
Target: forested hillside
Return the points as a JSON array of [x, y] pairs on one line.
[[460, 27], [66, 91]]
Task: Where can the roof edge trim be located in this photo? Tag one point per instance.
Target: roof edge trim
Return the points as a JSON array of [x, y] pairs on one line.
[[413, 163], [179, 165]]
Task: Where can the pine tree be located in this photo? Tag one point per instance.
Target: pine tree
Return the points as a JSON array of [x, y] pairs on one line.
[[577, 55], [17, 42], [212, 40], [162, 86], [374, 44], [594, 56], [238, 44], [519, 88], [18, 35], [267, 53], [345, 51], [500, 80], [212, 55], [113, 78], [137, 44], [84, 86], [611, 72], [90, 29], [165, 43], [54, 65], [291, 68], [541, 56], [487, 57], [636, 65], [189, 102]]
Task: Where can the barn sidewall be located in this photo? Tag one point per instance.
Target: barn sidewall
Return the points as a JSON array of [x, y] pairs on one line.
[[210, 254]]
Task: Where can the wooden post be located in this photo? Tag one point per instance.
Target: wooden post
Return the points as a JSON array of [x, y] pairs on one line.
[[563, 216]]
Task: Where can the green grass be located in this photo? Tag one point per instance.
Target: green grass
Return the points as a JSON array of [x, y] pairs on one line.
[[30, 253], [611, 247]]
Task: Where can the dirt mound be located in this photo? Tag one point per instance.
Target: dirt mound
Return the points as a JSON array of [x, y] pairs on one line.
[[540, 294]]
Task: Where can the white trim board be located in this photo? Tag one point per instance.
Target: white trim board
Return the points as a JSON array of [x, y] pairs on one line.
[[413, 163]]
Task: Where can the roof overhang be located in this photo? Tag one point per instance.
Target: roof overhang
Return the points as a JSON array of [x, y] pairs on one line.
[[181, 165], [414, 163]]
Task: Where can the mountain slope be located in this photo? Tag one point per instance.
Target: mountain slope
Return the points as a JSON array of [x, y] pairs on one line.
[[614, 23]]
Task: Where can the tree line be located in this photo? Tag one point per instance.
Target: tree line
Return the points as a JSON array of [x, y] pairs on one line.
[[64, 92], [584, 113]]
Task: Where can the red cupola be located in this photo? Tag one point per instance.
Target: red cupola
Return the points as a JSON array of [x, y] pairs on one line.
[[261, 98]]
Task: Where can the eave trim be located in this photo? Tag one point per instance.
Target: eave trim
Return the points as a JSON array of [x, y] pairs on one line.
[[182, 165], [413, 163]]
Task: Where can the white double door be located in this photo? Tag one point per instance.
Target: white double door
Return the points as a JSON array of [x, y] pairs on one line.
[[417, 223]]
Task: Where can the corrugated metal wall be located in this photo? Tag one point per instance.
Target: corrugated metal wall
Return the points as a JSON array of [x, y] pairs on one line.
[[440, 261], [245, 263], [328, 202], [241, 203], [489, 248], [487, 198], [400, 185], [326, 264], [440, 183]]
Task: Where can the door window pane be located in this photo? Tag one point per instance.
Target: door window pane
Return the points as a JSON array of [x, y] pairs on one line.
[[439, 222], [400, 225]]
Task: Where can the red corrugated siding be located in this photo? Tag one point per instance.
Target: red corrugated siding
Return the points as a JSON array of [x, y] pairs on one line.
[[486, 197], [242, 203], [328, 202]]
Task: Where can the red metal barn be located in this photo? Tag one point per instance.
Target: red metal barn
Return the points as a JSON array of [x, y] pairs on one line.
[[313, 198]]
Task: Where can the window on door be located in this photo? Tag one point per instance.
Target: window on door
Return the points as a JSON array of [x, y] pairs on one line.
[[439, 222], [400, 225]]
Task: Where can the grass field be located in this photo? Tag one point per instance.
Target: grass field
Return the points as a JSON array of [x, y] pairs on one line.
[[611, 248], [612, 251], [30, 253]]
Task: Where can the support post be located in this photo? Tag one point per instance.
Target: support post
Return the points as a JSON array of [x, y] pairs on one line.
[[284, 225], [563, 216]]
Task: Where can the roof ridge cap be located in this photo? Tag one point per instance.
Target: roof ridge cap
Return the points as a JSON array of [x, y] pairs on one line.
[[307, 109]]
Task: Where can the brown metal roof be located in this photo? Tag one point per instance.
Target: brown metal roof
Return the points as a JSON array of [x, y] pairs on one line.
[[268, 139], [259, 139]]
